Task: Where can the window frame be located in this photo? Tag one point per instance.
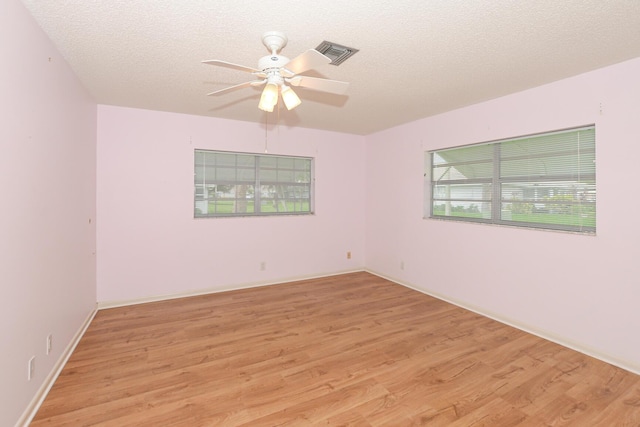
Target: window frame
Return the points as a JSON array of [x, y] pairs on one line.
[[498, 180], [258, 184]]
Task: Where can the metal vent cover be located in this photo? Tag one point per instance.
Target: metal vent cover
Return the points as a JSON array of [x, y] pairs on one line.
[[336, 52]]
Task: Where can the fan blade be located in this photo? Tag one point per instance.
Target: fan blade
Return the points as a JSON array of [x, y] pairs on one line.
[[324, 85], [238, 86], [231, 65], [308, 60]]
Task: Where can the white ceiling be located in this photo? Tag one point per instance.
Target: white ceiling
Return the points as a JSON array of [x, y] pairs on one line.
[[417, 58]]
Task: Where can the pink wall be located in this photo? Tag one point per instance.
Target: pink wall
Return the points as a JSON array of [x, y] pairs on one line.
[[47, 248], [149, 244], [580, 290]]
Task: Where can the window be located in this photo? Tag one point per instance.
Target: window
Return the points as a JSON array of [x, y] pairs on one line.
[[239, 184], [543, 181]]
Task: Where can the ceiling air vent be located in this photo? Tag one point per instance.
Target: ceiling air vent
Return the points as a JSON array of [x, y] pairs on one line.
[[337, 53]]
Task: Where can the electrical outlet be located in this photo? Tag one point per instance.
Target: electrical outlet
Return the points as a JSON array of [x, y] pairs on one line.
[[263, 266], [49, 343], [349, 255], [31, 368], [401, 265]]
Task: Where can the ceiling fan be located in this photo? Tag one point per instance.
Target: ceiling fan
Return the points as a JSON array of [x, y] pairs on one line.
[[278, 73]]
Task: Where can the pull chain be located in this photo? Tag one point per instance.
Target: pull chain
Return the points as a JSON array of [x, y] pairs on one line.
[[266, 125]]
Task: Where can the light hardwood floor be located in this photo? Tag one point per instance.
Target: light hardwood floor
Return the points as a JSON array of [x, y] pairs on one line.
[[350, 350]]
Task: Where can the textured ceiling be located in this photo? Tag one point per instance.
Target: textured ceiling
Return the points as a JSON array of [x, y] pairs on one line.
[[417, 58]]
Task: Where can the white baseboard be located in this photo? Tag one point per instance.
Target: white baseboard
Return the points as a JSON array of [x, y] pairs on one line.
[[563, 341], [205, 291], [36, 402]]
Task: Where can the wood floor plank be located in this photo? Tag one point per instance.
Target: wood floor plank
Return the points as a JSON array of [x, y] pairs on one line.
[[348, 350]]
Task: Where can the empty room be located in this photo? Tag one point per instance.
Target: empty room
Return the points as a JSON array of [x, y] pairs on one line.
[[320, 213]]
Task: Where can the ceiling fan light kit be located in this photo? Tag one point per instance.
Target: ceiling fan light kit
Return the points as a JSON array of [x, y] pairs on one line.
[[269, 97], [290, 98], [275, 71]]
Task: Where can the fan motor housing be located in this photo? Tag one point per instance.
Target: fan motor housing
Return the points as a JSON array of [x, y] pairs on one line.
[[272, 61]]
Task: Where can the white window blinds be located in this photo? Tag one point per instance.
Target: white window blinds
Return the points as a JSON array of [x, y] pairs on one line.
[[240, 184], [543, 181]]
